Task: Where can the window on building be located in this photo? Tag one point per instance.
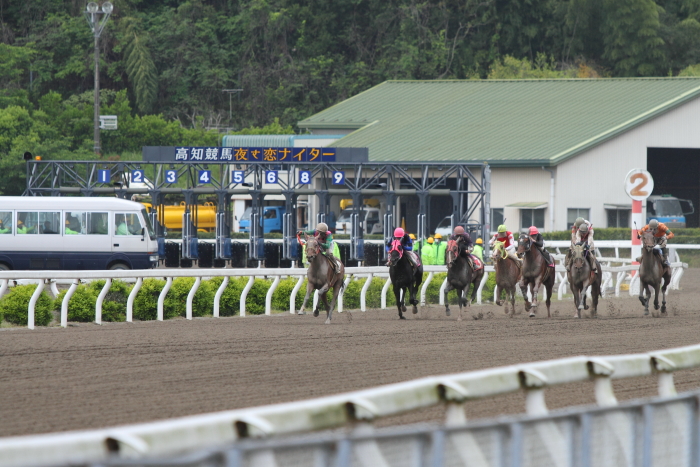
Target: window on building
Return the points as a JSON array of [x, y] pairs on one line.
[[530, 217], [496, 218], [618, 217], [573, 213]]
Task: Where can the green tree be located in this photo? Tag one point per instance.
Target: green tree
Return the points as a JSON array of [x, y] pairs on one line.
[[140, 68]]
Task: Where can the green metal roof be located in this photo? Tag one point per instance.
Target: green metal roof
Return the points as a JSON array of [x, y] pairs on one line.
[[503, 122]]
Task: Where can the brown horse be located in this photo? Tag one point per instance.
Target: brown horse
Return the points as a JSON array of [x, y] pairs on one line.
[[651, 272], [460, 275], [507, 275], [535, 273], [580, 277], [321, 276]]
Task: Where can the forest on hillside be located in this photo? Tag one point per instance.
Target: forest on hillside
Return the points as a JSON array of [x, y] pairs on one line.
[[164, 64]]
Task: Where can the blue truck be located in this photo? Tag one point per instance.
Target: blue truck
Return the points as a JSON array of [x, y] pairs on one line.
[[669, 210], [272, 219]]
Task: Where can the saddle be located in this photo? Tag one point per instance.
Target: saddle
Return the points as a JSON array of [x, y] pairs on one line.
[[334, 262], [476, 263]]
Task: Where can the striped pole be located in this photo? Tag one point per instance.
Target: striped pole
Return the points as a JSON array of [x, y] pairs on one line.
[[636, 224]]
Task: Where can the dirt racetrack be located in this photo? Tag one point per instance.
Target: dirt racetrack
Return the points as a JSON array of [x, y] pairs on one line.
[[90, 376]]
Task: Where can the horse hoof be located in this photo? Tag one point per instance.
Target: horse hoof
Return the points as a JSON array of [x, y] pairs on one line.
[[315, 313], [415, 310], [586, 307], [646, 312], [644, 302], [403, 308], [656, 307], [499, 303], [532, 315], [447, 313], [663, 309], [402, 317], [328, 321], [301, 313]]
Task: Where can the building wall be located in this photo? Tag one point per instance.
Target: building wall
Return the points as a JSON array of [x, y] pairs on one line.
[[596, 177], [516, 185]]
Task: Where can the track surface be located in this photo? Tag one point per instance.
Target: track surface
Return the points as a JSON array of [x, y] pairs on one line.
[[90, 376]]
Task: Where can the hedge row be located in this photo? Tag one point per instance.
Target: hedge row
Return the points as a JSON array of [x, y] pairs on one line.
[[81, 307], [680, 235]]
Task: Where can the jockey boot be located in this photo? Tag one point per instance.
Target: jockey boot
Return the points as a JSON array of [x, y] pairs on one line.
[[664, 255], [592, 262]]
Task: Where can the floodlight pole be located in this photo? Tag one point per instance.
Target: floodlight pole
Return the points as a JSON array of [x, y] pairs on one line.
[[92, 13]]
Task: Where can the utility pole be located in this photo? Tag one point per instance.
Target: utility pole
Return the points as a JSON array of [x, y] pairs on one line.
[[92, 13]]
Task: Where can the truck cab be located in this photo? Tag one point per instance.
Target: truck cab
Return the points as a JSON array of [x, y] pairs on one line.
[[272, 219], [669, 210], [371, 217]]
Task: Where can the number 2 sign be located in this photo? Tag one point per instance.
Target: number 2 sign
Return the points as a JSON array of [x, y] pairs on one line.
[[639, 184]]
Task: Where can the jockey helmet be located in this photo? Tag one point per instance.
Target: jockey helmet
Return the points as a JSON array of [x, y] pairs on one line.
[[322, 227], [437, 236], [579, 221], [502, 228], [653, 224], [479, 241], [398, 232], [533, 230], [430, 240], [583, 229], [459, 230], [413, 237]]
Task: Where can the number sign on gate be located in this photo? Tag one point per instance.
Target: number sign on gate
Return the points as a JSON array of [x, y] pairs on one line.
[[339, 178], [104, 176], [171, 176], [237, 176], [304, 177], [205, 176], [270, 176], [137, 176]]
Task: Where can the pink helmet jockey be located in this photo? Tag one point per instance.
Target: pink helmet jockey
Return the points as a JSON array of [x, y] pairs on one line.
[[398, 232], [533, 230]]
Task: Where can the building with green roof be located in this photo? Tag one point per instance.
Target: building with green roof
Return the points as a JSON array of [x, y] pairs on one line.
[[558, 149]]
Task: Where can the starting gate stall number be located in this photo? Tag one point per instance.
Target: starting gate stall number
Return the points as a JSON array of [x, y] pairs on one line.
[[339, 178], [205, 176], [171, 176], [137, 176], [237, 176], [304, 177], [270, 176], [103, 176]]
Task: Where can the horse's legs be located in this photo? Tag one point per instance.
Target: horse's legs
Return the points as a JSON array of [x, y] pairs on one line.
[[644, 289], [511, 292], [413, 289], [656, 296], [667, 280], [595, 293], [309, 290], [535, 289], [322, 294], [577, 299], [523, 288], [550, 291], [497, 296], [447, 302], [399, 303]]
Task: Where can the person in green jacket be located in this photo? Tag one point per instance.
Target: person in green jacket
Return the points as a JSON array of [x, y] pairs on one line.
[[23, 229], [325, 239], [478, 250], [440, 249], [3, 229], [427, 255], [70, 231]]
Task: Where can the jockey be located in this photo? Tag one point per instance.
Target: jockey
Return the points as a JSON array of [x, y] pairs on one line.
[[406, 244], [479, 249], [538, 241], [580, 235], [325, 239], [661, 234], [506, 236]]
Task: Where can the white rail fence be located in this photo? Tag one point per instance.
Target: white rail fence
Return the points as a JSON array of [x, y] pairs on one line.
[[357, 410], [613, 278]]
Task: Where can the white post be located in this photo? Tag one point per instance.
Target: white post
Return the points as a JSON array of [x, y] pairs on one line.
[[385, 289], [66, 299], [268, 297], [190, 297], [481, 286], [293, 297], [424, 288], [54, 289], [32, 303], [161, 297], [217, 297], [442, 292], [244, 294], [363, 292], [130, 300], [100, 299], [3, 286]]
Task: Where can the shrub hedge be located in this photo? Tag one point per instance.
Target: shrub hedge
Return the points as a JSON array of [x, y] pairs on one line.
[[14, 306], [81, 306]]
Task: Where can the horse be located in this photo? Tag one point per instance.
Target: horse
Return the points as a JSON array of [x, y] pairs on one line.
[[507, 276], [403, 277], [535, 273], [651, 271], [321, 276], [580, 277], [460, 276]]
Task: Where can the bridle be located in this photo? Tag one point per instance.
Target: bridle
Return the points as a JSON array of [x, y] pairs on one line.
[[521, 243], [453, 252], [313, 248], [648, 241], [395, 247]]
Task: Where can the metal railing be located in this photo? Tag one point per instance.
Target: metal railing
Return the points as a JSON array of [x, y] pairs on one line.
[[543, 433], [613, 278]]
